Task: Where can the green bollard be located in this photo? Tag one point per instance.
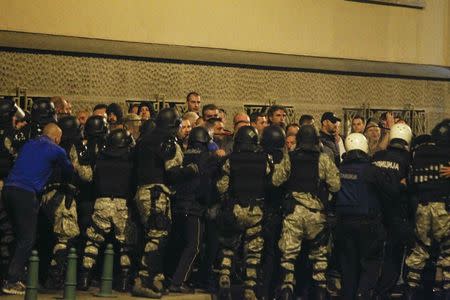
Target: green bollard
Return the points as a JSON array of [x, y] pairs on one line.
[[71, 275], [107, 274], [33, 277]]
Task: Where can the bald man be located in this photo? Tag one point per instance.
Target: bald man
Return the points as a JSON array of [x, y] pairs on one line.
[[27, 179], [240, 119]]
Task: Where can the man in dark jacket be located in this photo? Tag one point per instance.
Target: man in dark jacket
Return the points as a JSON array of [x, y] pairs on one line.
[[359, 230], [327, 136], [190, 203], [394, 163]]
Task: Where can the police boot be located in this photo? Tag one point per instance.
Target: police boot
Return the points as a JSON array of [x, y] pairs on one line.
[[55, 279], [84, 281], [286, 294], [123, 282], [322, 293], [139, 290], [224, 288]]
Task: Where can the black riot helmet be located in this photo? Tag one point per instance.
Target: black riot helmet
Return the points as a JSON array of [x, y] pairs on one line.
[[118, 142], [168, 119], [9, 108], [441, 132], [273, 138], [308, 138], [420, 140], [70, 128], [96, 126], [198, 136], [246, 139], [43, 111]]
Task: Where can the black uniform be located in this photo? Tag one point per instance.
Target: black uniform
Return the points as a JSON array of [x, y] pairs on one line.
[[359, 231], [192, 198], [394, 163]]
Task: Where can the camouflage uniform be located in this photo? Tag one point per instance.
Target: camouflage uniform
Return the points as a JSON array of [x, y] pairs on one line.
[[6, 229], [244, 219], [432, 223], [109, 213], [153, 204], [432, 214], [307, 221], [63, 213]]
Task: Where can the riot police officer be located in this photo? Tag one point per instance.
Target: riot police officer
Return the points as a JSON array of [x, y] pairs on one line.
[[432, 214], [394, 163], [113, 184], [42, 113], [272, 141], [246, 174], [8, 109], [95, 132], [59, 199], [158, 162], [193, 197], [359, 229], [310, 176]]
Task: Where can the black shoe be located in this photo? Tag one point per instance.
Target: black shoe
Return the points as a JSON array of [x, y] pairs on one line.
[[123, 282], [181, 289], [84, 281], [55, 279], [13, 288], [286, 294]]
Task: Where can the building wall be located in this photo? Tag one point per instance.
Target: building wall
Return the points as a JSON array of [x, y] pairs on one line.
[[324, 28], [89, 80]]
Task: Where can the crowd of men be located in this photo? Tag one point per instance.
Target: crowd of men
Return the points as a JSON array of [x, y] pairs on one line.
[[278, 210]]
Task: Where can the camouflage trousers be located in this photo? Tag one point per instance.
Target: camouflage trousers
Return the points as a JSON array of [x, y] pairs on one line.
[[303, 223], [6, 237], [65, 223], [432, 223], [110, 213], [153, 204], [248, 222]]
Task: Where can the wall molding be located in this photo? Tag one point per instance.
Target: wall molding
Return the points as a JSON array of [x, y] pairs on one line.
[[79, 46]]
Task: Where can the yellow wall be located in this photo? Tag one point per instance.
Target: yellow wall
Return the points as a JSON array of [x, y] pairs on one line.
[[326, 28]]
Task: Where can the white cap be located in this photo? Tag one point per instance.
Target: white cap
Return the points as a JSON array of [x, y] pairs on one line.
[[356, 141], [402, 132]]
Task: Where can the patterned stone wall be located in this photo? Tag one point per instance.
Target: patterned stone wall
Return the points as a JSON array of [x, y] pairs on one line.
[[89, 80]]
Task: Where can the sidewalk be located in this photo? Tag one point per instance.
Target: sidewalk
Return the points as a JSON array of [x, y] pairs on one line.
[[122, 296]]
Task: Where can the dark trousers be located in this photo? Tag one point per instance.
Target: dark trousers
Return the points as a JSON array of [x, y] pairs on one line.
[[22, 208], [210, 252], [192, 228], [271, 253], [360, 253]]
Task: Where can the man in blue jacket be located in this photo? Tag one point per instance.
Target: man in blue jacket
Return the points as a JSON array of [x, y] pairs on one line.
[[26, 180]]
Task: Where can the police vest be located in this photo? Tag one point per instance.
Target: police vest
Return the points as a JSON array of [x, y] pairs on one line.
[[248, 175], [429, 185], [150, 164], [113, 177], [304, 176], [356, 196]]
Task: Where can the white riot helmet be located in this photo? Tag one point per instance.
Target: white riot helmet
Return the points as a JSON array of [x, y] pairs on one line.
[[402, 132], [356, 141]]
